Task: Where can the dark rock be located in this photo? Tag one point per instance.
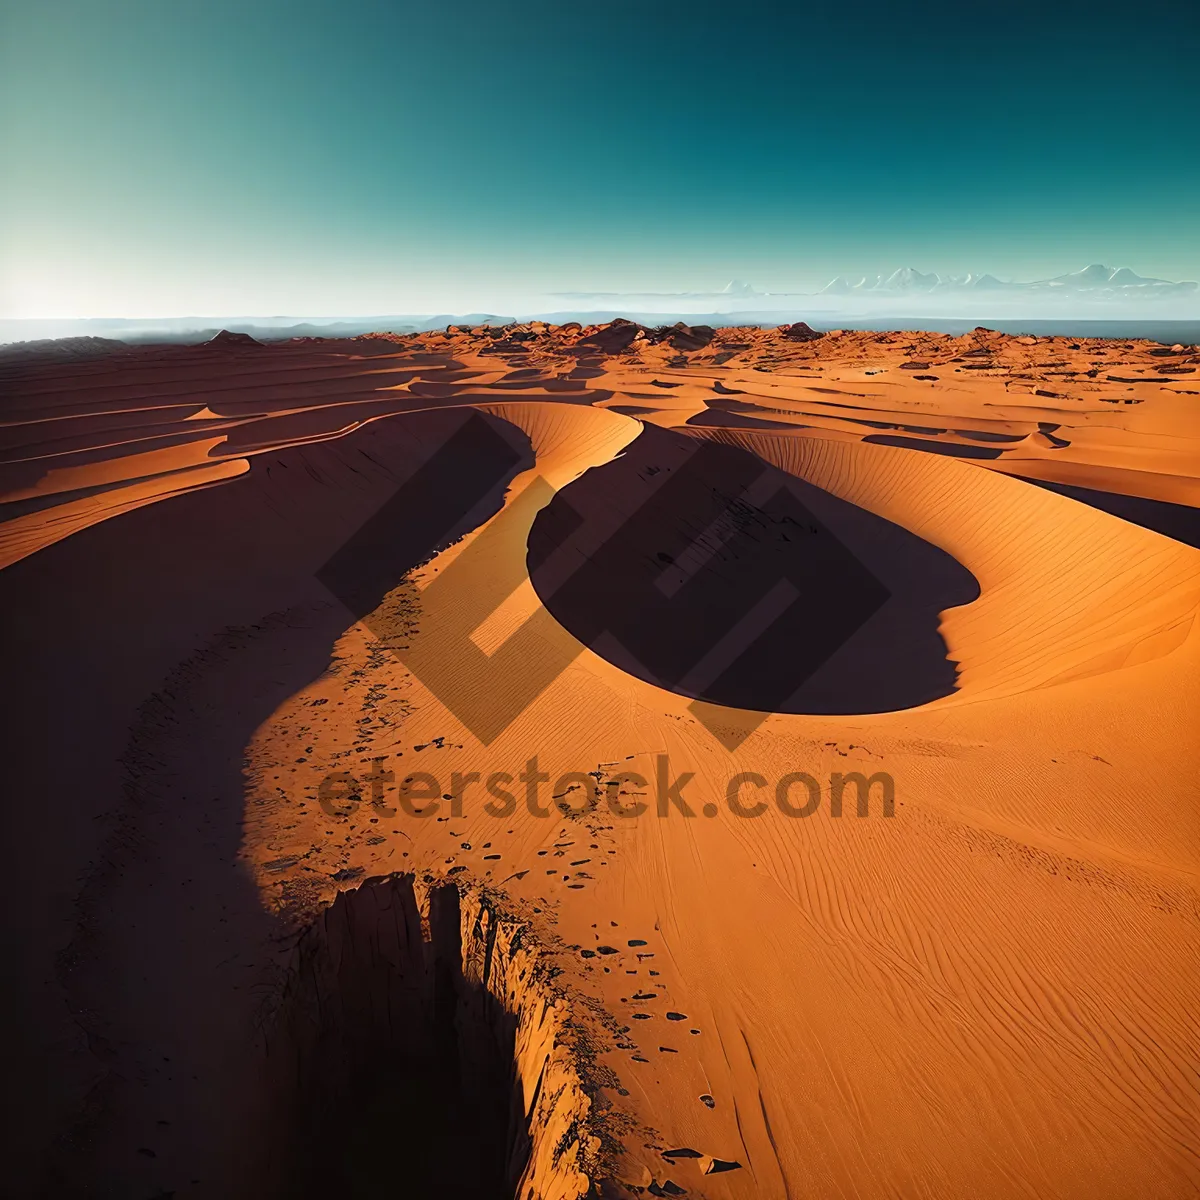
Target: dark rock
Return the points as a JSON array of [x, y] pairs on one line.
[[225, 340], [685, 337], [801, 331], [719, 1166], [618, 335]]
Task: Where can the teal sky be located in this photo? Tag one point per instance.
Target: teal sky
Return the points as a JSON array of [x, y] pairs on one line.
[[257, 158]]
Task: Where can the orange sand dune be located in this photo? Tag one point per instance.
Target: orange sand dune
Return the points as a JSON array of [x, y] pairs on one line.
[[416, 564]]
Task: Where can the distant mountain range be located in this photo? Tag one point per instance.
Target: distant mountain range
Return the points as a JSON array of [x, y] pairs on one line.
[[1096, 290], [905, 299], [1115, 281], [1097, 280]]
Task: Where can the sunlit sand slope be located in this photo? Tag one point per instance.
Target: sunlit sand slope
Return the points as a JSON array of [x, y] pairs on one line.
[[985, 988]]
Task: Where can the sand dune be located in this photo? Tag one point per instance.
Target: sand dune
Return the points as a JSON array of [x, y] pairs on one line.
[[677, 555]]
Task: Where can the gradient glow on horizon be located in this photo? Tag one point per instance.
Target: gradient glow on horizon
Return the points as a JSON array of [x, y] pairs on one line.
[[262, 158]]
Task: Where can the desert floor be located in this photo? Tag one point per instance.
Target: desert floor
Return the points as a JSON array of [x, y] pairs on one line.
[[243, 581]]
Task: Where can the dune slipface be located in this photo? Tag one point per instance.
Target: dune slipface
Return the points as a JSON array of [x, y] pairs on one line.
[[552, 762]]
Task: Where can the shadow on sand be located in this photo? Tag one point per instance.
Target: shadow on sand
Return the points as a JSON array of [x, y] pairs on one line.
[[1178, 521], [697, 567], [148, 651]]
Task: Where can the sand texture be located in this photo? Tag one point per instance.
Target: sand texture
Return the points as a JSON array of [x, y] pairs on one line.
[[236, 570]]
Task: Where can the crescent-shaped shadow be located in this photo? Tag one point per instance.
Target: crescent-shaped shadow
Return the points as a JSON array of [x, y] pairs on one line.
[[698, 567]]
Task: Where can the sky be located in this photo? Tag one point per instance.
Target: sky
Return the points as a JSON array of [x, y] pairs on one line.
[[256, 157]]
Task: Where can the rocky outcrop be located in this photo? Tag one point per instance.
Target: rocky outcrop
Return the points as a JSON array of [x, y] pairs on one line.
[[68, 349], [420, 1010], [614, 337], [685, 337], [227, 340], [801, 331]]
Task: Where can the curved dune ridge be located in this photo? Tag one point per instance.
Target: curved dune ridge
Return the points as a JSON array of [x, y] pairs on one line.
[[1066, 591], [695, 566], [420, 563]]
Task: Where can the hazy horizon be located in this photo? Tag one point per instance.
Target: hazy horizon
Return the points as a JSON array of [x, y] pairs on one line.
[[929, 297]]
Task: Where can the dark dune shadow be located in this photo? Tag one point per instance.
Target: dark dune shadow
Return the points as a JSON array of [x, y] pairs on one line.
[[455, 490], [954, 449], [147, 650], [1178, 521], [747, 418], [696, 567], [987, 435]]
